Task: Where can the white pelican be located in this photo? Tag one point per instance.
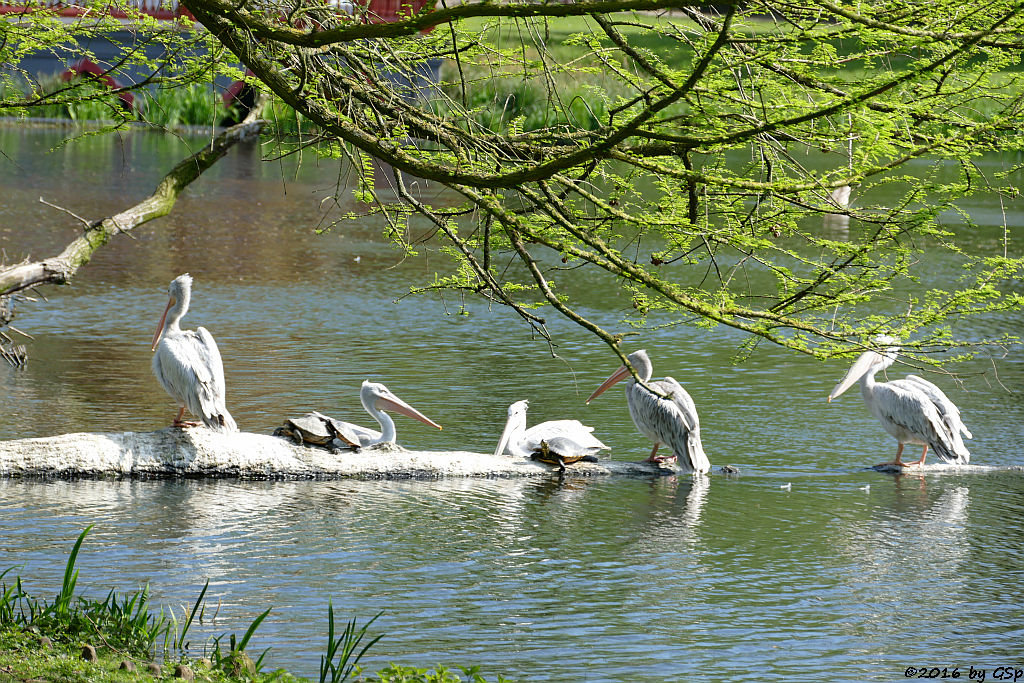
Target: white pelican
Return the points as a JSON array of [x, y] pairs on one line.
[[563, 438], [913, 409], [376, 398], [187, 363], [667, 417]]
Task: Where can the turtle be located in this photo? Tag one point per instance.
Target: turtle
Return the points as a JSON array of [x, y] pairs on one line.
[[317, 429], [342, 432], [554, 451]]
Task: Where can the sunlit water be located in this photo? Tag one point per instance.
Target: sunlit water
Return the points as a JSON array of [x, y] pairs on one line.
[[847, 574]]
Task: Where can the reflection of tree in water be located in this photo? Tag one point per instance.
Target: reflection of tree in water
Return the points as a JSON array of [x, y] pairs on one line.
[[14, 354]]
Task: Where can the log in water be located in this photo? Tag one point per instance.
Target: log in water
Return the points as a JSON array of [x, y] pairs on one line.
[[201, 452]]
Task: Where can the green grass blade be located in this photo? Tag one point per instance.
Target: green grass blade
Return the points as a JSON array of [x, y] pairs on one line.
[[192, 615], [70, 576], [252, 629]]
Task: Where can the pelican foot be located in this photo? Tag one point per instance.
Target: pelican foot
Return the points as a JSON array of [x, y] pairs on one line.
[[897, 463], [182, 424], [659, 459]]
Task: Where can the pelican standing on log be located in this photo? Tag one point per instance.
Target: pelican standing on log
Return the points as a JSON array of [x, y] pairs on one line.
[[570, 439], [913, 410], [187, 363], [377, 398], [663, 412]]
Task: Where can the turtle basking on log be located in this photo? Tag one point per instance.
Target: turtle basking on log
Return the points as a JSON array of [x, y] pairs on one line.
[[555, 442], [317, 429], [559, 450]]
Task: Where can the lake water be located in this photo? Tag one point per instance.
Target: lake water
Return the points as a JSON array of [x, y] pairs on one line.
[[847, 574]]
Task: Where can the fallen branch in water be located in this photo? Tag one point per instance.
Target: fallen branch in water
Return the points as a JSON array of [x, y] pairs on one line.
[[60, 269]]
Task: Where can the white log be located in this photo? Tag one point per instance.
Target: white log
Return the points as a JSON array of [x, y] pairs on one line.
[[201, 452], [931, 467]]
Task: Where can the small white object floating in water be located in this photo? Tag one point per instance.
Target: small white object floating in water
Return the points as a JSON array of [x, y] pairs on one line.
[[787, 486]]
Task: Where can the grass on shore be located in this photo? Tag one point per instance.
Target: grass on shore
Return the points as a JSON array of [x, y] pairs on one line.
[[74, 638]]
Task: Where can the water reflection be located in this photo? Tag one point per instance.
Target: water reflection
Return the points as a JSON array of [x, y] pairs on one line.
[[548, 579]]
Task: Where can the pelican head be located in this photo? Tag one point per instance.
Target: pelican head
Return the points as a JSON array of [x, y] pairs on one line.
[[869, 363], [377, 398], [515, 425], [640, 361], [179, 293]]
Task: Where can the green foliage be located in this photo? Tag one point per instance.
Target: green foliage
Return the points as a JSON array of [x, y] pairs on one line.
[[396, 673], [124, 623], [286, 122], [512, 106], [342, 658], [700, 160], [235, 660], [194, 104]]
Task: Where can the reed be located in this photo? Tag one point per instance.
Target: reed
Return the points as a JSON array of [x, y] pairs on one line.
[[126, 626], [343, 648], [123, 624]]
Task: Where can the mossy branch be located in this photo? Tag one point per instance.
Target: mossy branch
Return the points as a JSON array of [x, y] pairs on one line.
[[59, 269]]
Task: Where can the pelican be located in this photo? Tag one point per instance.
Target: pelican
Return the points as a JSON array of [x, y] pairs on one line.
[[376, 398], [565, 438], [663, 412], [913, 410], [187, 363]]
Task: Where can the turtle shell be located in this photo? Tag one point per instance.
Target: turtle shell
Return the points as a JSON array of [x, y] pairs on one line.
[[549, 453], [340, 431], [309, 428]]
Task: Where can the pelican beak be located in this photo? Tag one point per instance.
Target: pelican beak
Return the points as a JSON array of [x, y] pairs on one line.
[[395, 404], [619, 375], [503, 441], [859, 369], [160, 328]]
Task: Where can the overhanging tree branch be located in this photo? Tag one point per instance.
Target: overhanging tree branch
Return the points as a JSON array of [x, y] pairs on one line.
[[61, 268]]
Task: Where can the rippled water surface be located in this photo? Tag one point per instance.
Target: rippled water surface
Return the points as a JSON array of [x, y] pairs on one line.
[[846, 574]]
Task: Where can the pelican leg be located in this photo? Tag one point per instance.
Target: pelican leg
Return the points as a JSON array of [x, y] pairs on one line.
[[924, 454], [660, 458], [897, 461], [181, 424]]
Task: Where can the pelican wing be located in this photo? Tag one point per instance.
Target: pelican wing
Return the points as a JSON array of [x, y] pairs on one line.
[[682, 400], [947, 409], [671, 420], [188, 365], [207, 349], [567, 437], [906, 407]]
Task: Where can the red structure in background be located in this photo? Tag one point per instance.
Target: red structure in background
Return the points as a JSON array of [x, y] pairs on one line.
[[238, 93], [88, 69], [387, 11], [167, 10]]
